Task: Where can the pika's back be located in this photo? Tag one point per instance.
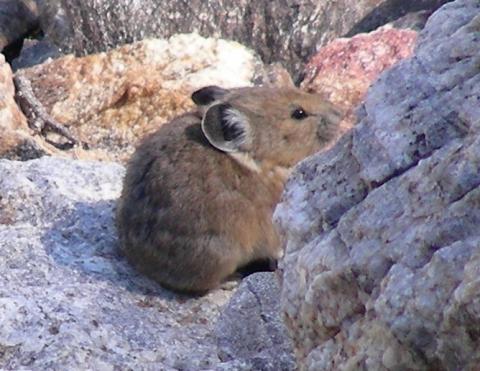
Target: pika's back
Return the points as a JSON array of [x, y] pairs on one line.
[[199, 193]]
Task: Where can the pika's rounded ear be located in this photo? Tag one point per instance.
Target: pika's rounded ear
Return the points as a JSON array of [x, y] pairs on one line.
[[208, 95], [332, 114], [226, 128]]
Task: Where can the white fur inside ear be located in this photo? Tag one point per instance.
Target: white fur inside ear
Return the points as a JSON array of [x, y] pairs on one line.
[[236, 121]]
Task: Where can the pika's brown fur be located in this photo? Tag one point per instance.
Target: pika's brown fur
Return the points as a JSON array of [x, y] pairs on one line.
[[199, 193]]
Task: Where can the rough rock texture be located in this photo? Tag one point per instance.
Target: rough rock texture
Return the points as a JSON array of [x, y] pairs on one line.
[[250, 328], [286, 31], [67, 300], [382, 232], [16, 141], [17, 18], [344, 69], [110, 100]]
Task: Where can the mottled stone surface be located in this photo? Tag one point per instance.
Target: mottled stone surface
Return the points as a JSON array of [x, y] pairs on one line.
[[250, 328], [110, 100], [344, 69], [286, 31], [67, 299], [382, 232]]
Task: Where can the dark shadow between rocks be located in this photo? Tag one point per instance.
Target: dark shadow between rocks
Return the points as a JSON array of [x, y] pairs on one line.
[[393, 10], [85, 240]]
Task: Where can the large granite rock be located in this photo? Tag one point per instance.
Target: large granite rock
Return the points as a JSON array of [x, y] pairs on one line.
[[344, 69], [110, 100], [286, 31], [382, 232], [251, 330], [67, 299]]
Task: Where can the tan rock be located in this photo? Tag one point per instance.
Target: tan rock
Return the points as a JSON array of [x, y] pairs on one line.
[[16, 140], [110, 100]]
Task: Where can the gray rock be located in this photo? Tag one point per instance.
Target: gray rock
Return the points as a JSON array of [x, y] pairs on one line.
[[399, 13], [17, 18], [250, 328], [67, 299], [382, 232], [35, 52], [286, 31]]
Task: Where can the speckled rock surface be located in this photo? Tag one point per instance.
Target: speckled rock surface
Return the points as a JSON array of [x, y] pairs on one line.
[[382, 232], [67, 300], [344, 69], [286, 31], [250, 328], [110, 100]]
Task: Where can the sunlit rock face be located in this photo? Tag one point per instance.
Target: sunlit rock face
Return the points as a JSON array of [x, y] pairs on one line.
[[381, 232]]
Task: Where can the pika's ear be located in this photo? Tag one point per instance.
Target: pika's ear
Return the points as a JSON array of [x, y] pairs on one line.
[[332, 114], [208, 95], [226, 128]]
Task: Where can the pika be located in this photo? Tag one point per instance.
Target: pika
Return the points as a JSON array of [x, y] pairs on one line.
[[199, 193]]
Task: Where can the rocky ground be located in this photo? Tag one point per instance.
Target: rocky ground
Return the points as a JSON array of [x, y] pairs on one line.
[[381, 231]]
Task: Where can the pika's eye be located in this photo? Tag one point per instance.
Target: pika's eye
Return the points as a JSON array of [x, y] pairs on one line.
[[299, 114]]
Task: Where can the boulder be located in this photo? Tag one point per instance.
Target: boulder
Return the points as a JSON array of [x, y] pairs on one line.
[[285, 31], [382, 231], [250, 328], [344, 69], [68, 300], [109, 100]]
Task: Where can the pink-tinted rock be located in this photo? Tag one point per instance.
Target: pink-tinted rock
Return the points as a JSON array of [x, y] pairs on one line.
[[344, 69]]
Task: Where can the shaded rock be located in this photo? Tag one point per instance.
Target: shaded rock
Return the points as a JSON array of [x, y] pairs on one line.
[[16, 141], [17, 18], [285, 31], [250, 328], [67, 299], [35, 52], [413, 21], [382, 231], [343, 70], [399, 13], [110, 100]]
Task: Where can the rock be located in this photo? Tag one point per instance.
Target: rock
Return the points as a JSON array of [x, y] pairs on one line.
[[17, 18], [16, 141], [382, 232], [67, 299], [343, 70], [402, 14], [110, 100], [250, 328], [285, 31], [35, 52]]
